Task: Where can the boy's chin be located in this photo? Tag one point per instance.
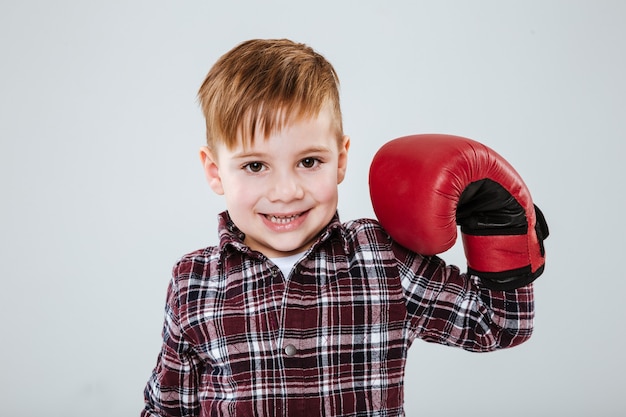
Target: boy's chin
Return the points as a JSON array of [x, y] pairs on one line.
[[280, 249], [284, 251]]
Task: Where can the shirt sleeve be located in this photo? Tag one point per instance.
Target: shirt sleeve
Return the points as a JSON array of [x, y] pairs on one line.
[[172, 389], [448, 307]]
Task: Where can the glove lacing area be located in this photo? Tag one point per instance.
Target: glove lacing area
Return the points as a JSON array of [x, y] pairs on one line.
[[486, 208]]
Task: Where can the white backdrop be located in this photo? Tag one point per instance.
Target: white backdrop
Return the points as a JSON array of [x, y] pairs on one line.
[[102, 189]]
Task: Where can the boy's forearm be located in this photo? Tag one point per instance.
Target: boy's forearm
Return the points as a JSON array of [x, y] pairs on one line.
[[177, 399], [172, 389], [453, 309], [513, 314], [149, 413]]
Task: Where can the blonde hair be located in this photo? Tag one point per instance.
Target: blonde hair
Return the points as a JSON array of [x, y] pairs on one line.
[[261, 85]]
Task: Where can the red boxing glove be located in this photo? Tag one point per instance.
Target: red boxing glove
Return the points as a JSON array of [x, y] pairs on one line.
[[422, 186]]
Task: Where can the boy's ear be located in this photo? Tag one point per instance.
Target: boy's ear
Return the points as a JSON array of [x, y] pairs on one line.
[[211, 170], [342, 163]]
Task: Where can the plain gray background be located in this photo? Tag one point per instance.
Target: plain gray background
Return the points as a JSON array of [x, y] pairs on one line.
[[102, 189]]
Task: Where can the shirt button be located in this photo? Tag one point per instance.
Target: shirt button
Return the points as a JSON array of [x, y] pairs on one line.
[[290, 350]]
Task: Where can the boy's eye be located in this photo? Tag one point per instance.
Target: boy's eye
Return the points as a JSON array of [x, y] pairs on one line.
[[309, 162], [254, 167]]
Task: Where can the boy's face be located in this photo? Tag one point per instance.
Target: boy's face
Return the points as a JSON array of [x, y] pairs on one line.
[[281, 191]]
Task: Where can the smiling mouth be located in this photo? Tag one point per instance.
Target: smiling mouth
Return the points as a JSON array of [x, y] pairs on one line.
[[281, 219]]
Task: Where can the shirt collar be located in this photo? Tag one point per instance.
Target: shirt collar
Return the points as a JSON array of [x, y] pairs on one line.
[[231, 237]]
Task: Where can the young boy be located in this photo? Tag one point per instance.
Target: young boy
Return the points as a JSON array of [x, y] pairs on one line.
[[294, 313]]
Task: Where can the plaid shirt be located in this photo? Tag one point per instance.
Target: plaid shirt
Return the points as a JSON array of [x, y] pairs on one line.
[[331, 339]]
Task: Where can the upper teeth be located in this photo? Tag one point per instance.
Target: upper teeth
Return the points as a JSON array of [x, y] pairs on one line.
[[282, 220]]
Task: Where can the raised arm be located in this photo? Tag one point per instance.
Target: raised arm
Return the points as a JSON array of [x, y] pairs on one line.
[[423, 187]]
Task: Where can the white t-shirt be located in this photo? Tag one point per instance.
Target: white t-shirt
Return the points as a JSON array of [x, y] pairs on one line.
[[285, 263]]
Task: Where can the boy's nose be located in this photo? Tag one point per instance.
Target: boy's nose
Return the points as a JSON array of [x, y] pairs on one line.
[[286, 187]]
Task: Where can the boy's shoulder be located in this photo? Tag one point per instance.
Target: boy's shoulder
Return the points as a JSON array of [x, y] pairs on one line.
[[370, 227], [361, 223], [197, 261], [365, 235]]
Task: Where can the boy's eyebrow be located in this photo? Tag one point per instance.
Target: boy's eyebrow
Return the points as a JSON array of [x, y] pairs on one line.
[[246, 154], [255, 154], [315, 149]]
